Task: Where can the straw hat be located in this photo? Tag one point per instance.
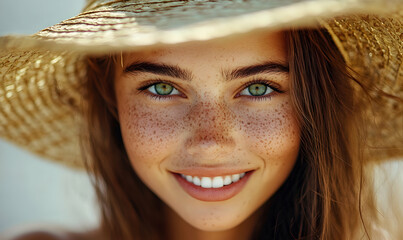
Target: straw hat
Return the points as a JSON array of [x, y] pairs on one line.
[[41, 76]]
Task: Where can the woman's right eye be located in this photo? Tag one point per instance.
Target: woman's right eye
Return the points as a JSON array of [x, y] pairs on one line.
[[162, 89]]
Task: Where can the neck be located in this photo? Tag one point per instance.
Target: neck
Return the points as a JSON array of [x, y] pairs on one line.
[[178, 229]]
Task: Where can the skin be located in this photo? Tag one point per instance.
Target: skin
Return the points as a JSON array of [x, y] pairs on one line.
[[209, 124]]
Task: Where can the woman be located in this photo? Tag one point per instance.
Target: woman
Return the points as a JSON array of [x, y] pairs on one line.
[[238, 136]]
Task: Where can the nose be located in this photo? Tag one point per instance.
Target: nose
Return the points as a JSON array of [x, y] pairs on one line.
[[211, 131]]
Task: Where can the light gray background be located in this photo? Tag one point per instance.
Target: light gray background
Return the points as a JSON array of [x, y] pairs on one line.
[[34, 191], [30, 16]]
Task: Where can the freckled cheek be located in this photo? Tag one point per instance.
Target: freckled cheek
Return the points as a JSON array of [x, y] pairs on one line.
[[272, 134], [148, 133]]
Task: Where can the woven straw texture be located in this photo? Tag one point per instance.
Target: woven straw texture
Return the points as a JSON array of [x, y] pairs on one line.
[[41, 76]]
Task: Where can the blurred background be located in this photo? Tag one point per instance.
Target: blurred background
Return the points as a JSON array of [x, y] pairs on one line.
[[34, 191]]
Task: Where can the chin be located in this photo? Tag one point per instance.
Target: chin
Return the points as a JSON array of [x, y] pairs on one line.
[[213, 225], [214, 219]]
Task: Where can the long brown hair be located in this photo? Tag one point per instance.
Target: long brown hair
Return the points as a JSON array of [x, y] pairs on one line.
[[320, 198]]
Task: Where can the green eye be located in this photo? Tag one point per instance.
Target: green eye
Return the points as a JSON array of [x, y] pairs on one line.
[[163, 88], [257, 89]]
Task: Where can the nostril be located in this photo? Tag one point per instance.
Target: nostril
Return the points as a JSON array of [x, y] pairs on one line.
[[210, 143]]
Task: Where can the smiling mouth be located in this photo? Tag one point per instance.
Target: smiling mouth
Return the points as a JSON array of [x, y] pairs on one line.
[[217, 188], [213, 182]]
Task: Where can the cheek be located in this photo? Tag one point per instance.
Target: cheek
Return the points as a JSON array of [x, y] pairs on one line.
[[272, 134], [148, 133]]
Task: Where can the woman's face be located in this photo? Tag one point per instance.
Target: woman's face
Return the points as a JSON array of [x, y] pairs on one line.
[[208, 114]]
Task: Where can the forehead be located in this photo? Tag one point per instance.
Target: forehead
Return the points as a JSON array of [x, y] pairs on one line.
[[242, 49]]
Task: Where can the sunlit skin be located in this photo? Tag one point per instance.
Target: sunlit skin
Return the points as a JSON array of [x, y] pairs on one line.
[[210, 121]]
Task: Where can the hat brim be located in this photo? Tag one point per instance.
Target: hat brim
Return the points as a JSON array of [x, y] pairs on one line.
[[121, 29]]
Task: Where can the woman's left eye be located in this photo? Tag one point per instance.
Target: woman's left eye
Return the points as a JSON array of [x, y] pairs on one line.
[[256, 90], [162, 89]]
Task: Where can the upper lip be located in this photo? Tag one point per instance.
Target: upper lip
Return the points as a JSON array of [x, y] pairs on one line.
[[211, 172]]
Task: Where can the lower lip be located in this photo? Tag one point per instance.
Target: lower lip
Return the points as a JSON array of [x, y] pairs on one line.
[[213, 194]]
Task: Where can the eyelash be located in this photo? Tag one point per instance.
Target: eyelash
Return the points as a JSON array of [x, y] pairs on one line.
[[267, 83], [148, 84]]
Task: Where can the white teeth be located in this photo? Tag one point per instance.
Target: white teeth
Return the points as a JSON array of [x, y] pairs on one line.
[[227, 180], [215, 182], [235, 177], [206, 182], [196, 181], [189, 178], [218, 182]]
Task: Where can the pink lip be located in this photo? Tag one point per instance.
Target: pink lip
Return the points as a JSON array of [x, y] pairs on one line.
[[212, 194], [211, 171]]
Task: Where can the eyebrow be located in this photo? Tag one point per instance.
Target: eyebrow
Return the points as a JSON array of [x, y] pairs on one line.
[[159, 69], [177, 72], [267, 67]]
